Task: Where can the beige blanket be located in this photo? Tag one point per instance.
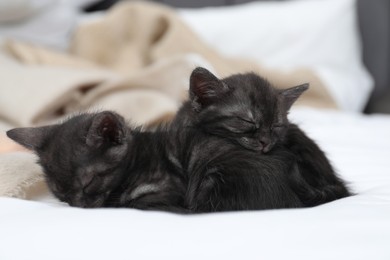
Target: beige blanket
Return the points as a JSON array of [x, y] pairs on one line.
[[136, 60]]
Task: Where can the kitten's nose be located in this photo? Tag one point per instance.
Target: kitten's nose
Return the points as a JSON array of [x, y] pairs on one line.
[[265, 143], [266, 148]]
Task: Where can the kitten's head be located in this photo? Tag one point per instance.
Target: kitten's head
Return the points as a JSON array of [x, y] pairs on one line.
[[81, 157], [244, 108]]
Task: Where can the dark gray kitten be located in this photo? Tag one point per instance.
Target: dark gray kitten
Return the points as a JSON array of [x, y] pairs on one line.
[[247, 110], [96, 160]]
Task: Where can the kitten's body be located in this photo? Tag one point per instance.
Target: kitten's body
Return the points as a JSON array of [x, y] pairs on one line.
[[318, 182], [153, 177]]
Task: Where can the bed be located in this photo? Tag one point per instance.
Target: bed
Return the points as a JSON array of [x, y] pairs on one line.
[[358, 145]]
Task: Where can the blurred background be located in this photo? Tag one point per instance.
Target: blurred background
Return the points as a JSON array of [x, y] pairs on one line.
[[61, 56]]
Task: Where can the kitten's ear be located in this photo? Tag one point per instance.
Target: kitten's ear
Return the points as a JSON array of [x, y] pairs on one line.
[[31, 137], [205, 86], [292, 94], [106, 128]]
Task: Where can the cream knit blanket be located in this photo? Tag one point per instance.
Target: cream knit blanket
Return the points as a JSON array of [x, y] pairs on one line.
[[136, 60]]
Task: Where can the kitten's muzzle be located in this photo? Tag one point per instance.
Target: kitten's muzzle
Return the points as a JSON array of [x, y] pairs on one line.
[[262, 145], [250, 144]]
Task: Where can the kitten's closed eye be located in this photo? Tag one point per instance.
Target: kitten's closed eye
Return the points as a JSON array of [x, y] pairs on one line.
[[240, 125]]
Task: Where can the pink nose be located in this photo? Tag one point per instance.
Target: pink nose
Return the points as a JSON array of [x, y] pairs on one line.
[[266, 144]]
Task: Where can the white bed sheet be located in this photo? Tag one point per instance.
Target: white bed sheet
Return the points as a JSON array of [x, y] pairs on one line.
[[357, 227]]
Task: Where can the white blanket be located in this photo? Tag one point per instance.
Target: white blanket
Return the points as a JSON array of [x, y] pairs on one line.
[[357, 227]]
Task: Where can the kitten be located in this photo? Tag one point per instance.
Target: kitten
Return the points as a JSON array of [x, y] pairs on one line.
[[96, 160], [87, 158], [249, 111]]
